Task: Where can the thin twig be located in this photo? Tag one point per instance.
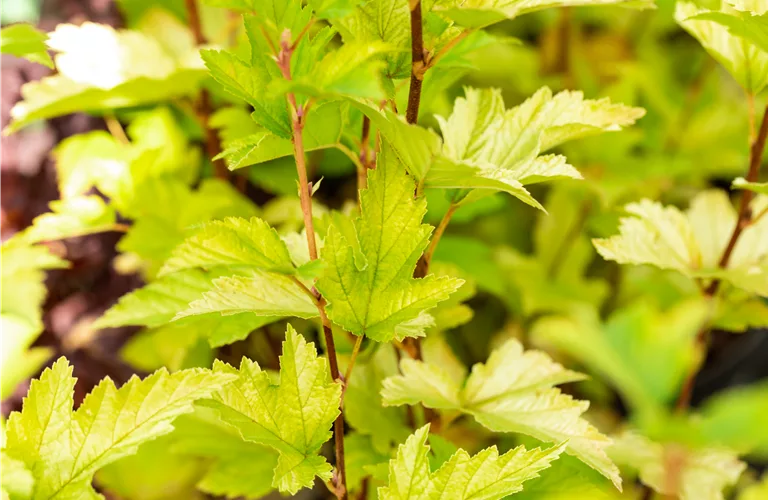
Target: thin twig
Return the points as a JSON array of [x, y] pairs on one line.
[[298, 116], [743, 221], [417, 63], [117, 131], [447, 48], [204, 109], [422, 268], [352, 359]]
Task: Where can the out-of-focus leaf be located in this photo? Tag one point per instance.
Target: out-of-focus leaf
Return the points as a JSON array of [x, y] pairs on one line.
[[23, 40]]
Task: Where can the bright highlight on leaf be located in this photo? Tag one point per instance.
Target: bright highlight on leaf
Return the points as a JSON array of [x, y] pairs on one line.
[[693, 242], [512, 392], [72, 217], [63, 449], [747, 62], [486, 475], [368, 276], [99, 67], [293, 416]]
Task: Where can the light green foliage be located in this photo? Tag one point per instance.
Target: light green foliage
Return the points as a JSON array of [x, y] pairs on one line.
[[63, 449], [693, 242], [480, 13], [553, 278], [293, 417], [257, 292], [732, 418], [75, 216], [384, 21], [23, 293], [701, 475], [512, 392], [201, 455], [368, 277], [387, 426], [232, 242], [23, 40], [644, 352], [488, 147], [99, 66], [745, 61], [486, 475], [322, 130]]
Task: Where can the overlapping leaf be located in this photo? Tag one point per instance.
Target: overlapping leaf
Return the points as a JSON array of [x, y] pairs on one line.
[[512, 392], [480, 13], [232, 242], [293, 416], [22, 293], [101, 68], [703, 476], [23, 40], [63, 449], [747, 62], [694, 241], [71, 217], [368, 277], [645, 353], [485, 475]]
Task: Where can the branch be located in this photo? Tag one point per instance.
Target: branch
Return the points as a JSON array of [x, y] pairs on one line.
[[743, 220], [417, 63], [298, 115], [212, 144]]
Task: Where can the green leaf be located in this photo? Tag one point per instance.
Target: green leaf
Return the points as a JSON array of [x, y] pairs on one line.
[[756, 187], [22, 293], [23, 40], [484, 475], [330, 9], [159, 301], [293, 417], [569, 479], [101, 68], [232, 242], [258, 292], [481, 13], [512, 392], [237, 468], [63, 449], [249, 82], [155, 472], [76, 216], [486, 146], [386, 426], [353, 70], [322, 129], [644, 352], [386, 21], [732, 418], [703, 476], [17, 481], [373, 297], [693, 242], [746, 62], [166, 211]]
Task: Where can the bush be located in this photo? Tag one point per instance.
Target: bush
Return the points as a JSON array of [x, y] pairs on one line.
[[468, 216]]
